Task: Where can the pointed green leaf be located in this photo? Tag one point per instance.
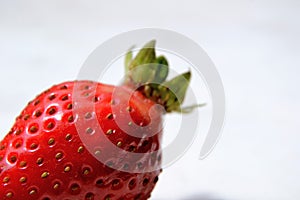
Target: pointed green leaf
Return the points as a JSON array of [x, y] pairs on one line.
[[128, 59], [145, 56], [179, 85], [162, 69]]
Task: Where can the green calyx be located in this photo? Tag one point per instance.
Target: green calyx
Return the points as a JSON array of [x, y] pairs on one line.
[[148, 74]]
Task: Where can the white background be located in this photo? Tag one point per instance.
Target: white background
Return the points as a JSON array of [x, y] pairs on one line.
[[255, 45]]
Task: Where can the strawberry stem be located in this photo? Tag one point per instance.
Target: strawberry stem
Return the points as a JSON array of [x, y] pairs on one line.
[[148, 73]]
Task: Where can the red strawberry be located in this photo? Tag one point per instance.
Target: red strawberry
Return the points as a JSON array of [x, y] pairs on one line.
[[87, 140]]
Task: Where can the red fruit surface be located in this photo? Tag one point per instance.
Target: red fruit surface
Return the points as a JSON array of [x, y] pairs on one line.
[[58, 147]]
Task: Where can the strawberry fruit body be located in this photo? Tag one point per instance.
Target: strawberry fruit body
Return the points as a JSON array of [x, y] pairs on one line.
[[87, 140]]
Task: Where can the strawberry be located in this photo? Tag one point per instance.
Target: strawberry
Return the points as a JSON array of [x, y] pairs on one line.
[[87, 140]]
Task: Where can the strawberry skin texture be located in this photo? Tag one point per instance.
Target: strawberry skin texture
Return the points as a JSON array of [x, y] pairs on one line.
[[44, 156]]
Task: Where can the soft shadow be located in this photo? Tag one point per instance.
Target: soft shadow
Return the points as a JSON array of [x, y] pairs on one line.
[[203, 197]]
